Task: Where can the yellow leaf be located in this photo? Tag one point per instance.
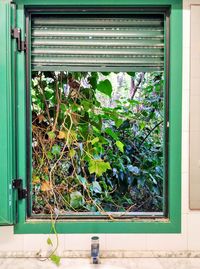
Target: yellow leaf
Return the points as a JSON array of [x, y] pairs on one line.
[[61, 135], [72, 152], [35, 180], [46, 186], [46, 169]]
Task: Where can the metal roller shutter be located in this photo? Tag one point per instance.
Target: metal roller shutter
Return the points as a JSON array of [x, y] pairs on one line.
[[88, 43]]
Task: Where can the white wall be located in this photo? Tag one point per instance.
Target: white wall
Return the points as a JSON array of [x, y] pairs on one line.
[[185, 244]]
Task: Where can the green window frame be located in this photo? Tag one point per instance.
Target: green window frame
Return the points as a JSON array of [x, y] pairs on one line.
[[13, 135]]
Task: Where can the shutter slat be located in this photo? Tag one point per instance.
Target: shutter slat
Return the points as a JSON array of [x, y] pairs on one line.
[[101, 33], [61, 21], [43, 42], [88, 59], [67, 43], [97, 51]]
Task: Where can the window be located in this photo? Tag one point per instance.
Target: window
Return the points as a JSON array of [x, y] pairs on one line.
[[91, 150], [94, 45]]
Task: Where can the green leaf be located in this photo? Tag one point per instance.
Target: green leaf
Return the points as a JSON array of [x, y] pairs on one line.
[[93, 82], [49, 242], [132, 74], [82, 180], [95, 140], [51, 135], [55, 150], [49, 155], [98, 166], [105, 73], [105, 87], [86, 105], [55, 259], [96, 187], [76, 199], [118, 122], [120, 146], [111, 133]]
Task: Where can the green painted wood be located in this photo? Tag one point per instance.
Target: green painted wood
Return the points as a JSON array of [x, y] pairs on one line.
[[114, 42], [6, 118], [171, 225]]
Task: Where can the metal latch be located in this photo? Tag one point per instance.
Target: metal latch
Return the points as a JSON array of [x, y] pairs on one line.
[[16, 33], [17, 184]]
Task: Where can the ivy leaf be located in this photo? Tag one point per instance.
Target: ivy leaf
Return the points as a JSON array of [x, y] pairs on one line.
[[95, 140], [72, 153], [105, 73], [98, 166], [96, 187], [49, 155], [55, 259], [36, 179], [105, 87], [61, 135], [111, 133], [76, 199], [46, 186], [49, 242], [132, 74], [82, 180], [51, 135], [55, 150], [120, 146]]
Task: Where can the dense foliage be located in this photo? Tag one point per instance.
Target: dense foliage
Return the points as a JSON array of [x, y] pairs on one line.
[[97, 142]]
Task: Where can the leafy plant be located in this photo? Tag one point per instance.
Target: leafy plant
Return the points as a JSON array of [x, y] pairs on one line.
[[97, 142]]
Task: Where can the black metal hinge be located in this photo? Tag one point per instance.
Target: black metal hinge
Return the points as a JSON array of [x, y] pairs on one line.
[[16, 33], [18, 185]]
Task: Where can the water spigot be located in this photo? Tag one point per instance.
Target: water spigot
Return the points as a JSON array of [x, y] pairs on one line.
[[95, 249]]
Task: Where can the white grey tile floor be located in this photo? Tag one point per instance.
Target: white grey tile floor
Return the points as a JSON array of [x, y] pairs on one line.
[[115, 263]]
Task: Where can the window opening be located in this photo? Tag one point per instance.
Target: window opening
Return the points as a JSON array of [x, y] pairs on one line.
[[98, 113]]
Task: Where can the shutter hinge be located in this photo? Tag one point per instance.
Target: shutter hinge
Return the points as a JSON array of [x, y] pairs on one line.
[[16, 33], [17, 184]]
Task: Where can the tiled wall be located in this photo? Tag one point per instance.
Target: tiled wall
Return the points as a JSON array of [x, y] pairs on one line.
[[131, 244], [195, 109]]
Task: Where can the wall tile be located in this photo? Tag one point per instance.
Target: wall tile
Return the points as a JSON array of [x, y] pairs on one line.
[[83, 241], [126, 242], [10, 241], [185, 193], [194, 113], [194, 231], [38, 242], [185, 152], [194, 150], [195, 87], [169, 242]]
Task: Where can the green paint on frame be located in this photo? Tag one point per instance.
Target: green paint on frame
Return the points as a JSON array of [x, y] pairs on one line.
[[173, 225]]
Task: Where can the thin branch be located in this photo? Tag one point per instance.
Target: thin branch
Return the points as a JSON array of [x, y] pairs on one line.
[[150, 132]]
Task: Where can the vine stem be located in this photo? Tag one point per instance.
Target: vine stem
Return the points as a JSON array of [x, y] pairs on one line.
[[62, 152], [151, 132]]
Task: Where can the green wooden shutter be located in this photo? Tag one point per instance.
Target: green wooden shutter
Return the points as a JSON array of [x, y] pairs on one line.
[[6, 118], [88, 43]]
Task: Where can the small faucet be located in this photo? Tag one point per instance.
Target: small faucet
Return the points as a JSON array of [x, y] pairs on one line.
[[95, 249]]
